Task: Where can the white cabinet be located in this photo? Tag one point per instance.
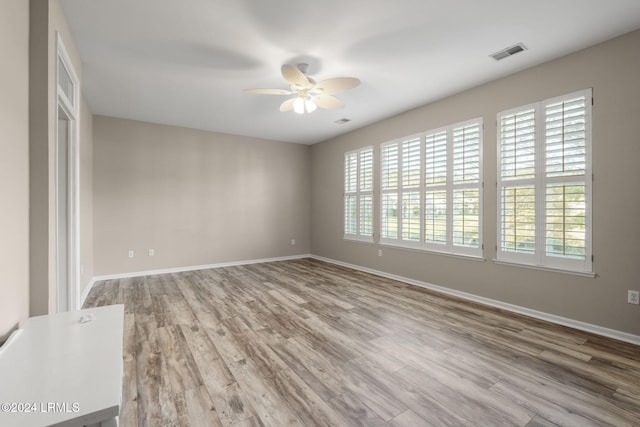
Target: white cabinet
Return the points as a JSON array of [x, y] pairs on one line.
[[64, 369]]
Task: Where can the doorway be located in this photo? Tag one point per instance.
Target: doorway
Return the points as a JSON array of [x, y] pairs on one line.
[[67, 185]]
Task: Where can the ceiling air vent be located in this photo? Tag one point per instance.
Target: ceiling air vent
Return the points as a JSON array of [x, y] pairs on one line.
[[342, 121], [512, 50]]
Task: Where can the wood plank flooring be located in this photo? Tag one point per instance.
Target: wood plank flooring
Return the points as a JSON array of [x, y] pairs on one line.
[[306, 343]]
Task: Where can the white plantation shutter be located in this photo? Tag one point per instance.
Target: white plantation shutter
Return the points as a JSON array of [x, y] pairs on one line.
[[401, 169], [435, 210], [545, 183], [410, 189], [466, 185], [350, 189], [565, 134], [365, 191], [436, 159], [566, 217], [390, 172], [411, 216], [435, 213], [517, 145], [350, 172], [518, 219], [390, 167], [565, 221], [517, 210], [466, 217], [365, 221], [358, 194], [350, 215], [466, 154], [411, 163], [431, 190], [389, 215], [366, 170]]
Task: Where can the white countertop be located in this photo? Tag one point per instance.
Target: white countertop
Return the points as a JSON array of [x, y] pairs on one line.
[[57, 370]]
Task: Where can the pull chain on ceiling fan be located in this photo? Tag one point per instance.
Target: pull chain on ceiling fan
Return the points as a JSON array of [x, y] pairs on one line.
[[308, 94]]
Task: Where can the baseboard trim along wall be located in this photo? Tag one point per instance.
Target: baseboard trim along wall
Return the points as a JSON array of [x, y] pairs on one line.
[[87, 289], [6, 337], [583, 326], [85, 294]]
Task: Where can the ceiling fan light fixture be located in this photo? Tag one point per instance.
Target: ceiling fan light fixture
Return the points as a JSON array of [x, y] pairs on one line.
[[298, 105], [303, 105], [310, 105]]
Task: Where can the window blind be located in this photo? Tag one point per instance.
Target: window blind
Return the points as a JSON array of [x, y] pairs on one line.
[[517, 145], [545, 183], [358, 194], [565, 132], [566, 167], [431, 190], [466, 181], [411, 163], [518, 215], [436, 158], [436, 217], [466, 153]]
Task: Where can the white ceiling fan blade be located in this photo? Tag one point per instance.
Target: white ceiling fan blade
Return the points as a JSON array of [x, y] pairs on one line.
[[287, 105], [295, 77], [340, 84], [327, 102], [269, 91]]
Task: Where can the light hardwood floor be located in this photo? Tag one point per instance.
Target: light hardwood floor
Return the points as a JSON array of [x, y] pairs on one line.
[[309, 343]]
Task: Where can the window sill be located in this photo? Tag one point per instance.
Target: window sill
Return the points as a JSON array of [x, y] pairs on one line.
[[550, 269], [354, 239]]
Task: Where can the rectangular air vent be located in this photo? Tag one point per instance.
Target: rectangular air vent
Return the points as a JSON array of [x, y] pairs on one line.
[[511, 50]]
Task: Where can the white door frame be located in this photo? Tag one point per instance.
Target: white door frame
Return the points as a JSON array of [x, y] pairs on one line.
[[68, 298]]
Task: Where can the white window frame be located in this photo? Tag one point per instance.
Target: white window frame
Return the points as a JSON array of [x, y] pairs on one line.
[[359, 192], [539, 258], [449, 187]]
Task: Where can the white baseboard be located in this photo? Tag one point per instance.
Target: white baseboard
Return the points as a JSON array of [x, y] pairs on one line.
[[187, 268], [86, 291], [583, 326]]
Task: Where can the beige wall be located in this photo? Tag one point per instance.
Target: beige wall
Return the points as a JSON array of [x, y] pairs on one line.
[[46, 20], [39, 157], [194, 197], [14, 164], [611, 69], [86, 195]]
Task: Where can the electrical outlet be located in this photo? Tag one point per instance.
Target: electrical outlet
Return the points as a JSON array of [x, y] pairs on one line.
[[151, 252], [293, 242], [379, 252], [633, 297], [130, 254]]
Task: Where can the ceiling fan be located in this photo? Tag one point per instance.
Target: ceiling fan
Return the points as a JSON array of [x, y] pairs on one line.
[[308, 94]]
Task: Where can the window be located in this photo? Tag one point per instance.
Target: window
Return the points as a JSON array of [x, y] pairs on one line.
[[544, 183], [431, 190], [358, 194]]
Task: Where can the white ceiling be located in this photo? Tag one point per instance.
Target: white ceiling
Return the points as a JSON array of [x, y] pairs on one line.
[[186, 62]]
